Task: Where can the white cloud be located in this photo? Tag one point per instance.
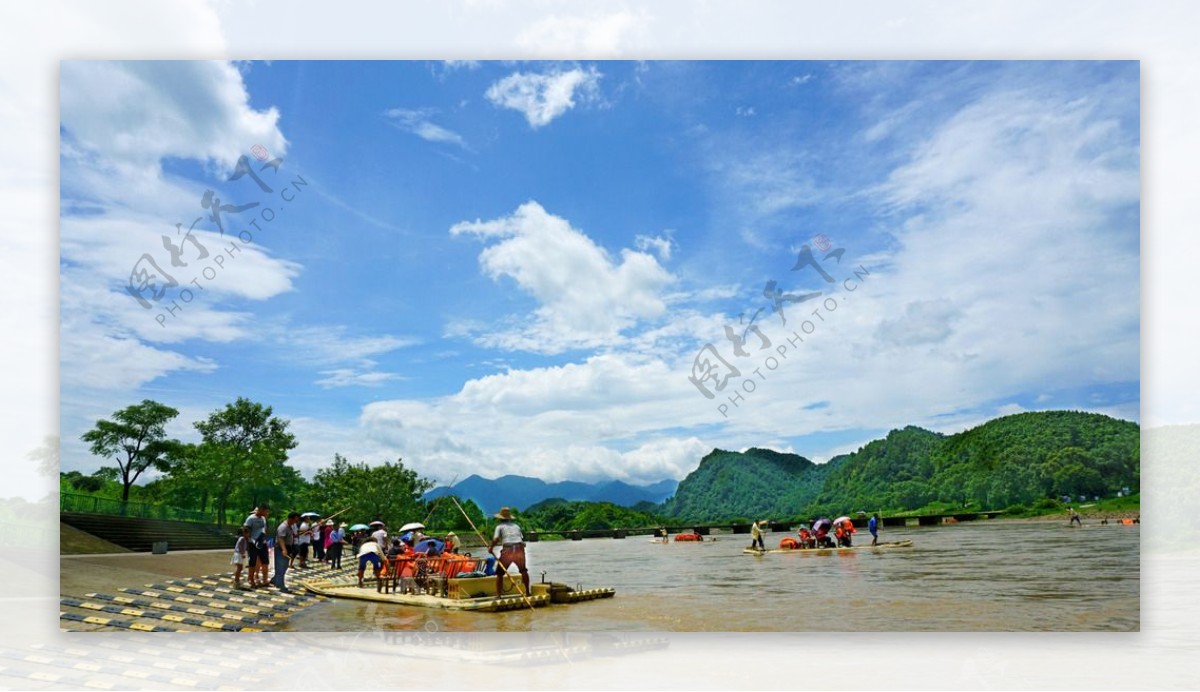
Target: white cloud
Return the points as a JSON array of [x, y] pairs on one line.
[[661, 245], [586, 297], [417, 121], [801, 79], [543, 97], [350, 377], [590, 36], [746, 111], [572, 421], [141, 112], [119, 121], [331, 344], [102, 357]]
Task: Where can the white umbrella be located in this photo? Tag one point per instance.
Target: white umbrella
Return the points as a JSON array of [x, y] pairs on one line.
[[411, 526], [840, 520], [377, 523], [310, 514]]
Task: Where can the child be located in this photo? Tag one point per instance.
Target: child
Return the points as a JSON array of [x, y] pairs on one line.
[[240, 550]]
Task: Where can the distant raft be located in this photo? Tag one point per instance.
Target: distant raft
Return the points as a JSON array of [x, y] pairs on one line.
[[829, 551]]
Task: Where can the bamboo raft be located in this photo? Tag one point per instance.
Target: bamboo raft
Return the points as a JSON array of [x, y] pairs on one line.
[[451, 583], [829, 551]]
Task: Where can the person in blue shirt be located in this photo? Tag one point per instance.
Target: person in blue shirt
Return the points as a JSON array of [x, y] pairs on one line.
[[873, 527]]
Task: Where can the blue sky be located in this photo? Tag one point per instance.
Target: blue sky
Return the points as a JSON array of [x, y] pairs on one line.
[[511, 267]]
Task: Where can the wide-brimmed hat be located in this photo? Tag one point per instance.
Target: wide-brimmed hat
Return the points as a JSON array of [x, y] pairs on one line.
[[504, 513]]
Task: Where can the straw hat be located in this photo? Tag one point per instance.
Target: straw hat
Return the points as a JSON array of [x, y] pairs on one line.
[[504, 513]]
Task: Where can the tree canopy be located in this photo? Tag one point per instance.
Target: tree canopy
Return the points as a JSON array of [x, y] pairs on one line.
[[136, 440], [244, 448], [388, 492]]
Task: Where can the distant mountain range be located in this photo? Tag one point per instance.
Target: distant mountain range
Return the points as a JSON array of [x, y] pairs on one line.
[[520, 492]]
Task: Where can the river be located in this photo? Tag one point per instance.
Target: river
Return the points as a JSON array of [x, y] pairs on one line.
[[974, 576]]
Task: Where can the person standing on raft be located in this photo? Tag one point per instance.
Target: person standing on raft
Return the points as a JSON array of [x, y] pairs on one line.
[[1074, 517], [512, 549], [756, 535]]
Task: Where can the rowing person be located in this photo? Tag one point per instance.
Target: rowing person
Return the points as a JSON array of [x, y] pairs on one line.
[[512, 549]]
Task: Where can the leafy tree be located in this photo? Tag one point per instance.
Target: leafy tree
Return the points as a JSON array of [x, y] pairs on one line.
[[388, 492], [244, 447], [136, 439]]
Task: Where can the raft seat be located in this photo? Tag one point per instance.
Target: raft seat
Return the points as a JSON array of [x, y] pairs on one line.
[[422, 574]]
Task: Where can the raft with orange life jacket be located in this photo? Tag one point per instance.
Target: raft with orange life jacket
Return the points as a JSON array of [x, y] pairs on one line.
[[827, 551], [689, 537]]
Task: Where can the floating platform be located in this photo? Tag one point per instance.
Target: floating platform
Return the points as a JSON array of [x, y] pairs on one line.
[[829, 551], [472, 593]]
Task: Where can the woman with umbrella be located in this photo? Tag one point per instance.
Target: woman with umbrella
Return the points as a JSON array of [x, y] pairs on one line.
[[843, 529], [821, 530]]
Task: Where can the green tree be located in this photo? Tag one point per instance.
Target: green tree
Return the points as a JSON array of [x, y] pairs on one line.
[[136, 439], [244, 448], [388, 492]]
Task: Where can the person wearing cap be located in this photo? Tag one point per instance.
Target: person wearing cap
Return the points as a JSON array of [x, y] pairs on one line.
[[756, 534], [512, 549], [381, 536]]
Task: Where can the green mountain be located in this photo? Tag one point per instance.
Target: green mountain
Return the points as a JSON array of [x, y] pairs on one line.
[[754, 484], [1008, 461]]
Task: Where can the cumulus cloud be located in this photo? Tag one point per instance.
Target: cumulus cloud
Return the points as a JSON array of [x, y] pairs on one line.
[[586, 297], [543, 97], [119, 121], [598, 419], [417, 121], [144, 111]]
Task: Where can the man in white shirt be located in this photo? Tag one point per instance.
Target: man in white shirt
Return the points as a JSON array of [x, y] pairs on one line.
[[303, 540], [512, 549], [380, 535]]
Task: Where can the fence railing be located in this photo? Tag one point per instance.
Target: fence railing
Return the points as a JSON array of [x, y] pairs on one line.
[[93, 504]]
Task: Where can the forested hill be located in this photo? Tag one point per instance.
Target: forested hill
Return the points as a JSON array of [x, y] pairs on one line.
[[1014, 460], [751, 485]]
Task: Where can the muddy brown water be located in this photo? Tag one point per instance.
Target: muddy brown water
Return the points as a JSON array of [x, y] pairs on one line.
[[979, 576]]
